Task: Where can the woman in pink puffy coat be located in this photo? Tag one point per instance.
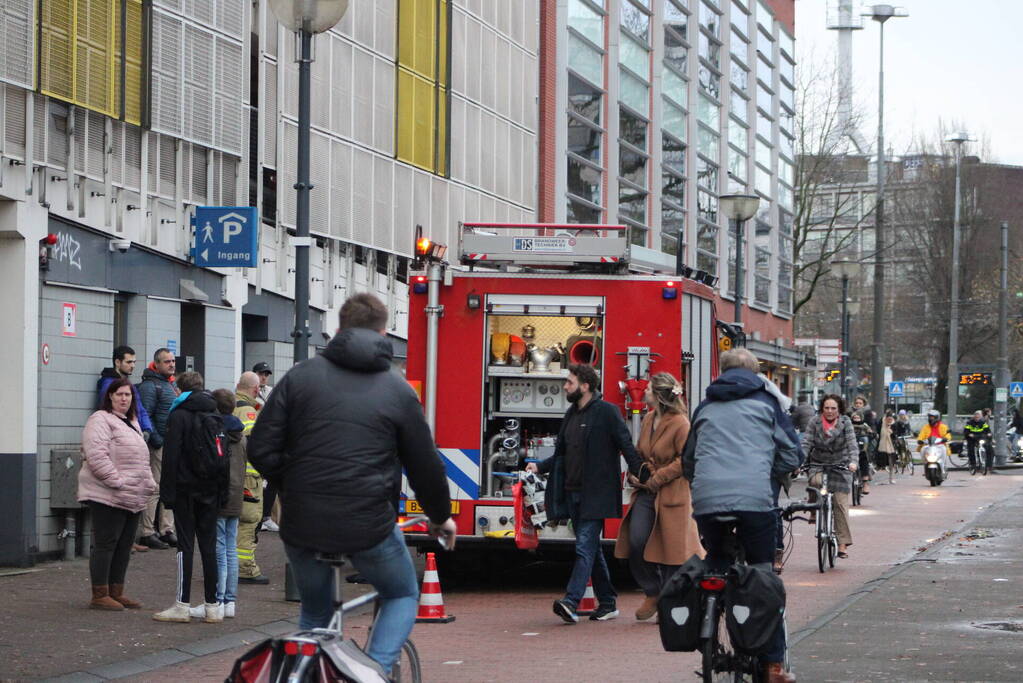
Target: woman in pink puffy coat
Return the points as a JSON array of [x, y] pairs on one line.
[[115, 482]]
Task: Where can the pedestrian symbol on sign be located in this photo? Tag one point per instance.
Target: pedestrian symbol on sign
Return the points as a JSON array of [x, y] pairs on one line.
[[1016, 389], [896, 389]]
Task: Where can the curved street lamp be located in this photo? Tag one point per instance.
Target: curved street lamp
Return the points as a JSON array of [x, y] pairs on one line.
[[307, 18], [739, 208]]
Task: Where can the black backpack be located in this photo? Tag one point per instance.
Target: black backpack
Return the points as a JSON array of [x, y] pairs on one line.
[[210, 448], [679, 610], [755, 606]]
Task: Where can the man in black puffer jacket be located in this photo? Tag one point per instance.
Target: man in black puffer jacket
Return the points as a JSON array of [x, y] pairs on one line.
[[333, 436]]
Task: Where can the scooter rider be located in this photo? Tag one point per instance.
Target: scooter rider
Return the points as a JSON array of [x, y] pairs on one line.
[[976, 430], [934, 427]]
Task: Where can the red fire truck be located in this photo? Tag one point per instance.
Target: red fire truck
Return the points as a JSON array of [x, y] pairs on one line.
[[490, 344]]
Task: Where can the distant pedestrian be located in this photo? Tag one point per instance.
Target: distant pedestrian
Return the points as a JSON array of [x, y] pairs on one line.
[[585, 486], [196, 472], [865, 440], [264, 372], [869, 416], [658, 533], [802, 414], [227, 519], [115, 482], [124, 366], [252, 507], [157, 392], [830, 440], [740, 442], [886, 445]]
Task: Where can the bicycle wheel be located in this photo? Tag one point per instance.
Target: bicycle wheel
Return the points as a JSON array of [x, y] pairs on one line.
[[832, 539], [407, 669]]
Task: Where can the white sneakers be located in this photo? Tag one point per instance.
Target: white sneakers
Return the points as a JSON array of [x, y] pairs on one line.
[[269, 525], [214, 613], [203, 611], [179, 613]]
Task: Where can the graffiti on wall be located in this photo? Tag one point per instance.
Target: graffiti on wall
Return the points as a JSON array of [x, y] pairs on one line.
[[68, 250]]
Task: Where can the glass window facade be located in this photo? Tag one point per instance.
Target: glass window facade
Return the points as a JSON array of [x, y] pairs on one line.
[[666, 192]]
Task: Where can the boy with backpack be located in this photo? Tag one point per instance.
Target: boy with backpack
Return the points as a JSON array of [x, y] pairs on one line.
[[194, 484]]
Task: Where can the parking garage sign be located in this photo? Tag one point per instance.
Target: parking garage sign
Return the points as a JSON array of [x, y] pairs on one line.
[[226, 236]]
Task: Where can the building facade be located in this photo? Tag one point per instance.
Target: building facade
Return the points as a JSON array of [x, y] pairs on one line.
[[118, 117], [649, 111]]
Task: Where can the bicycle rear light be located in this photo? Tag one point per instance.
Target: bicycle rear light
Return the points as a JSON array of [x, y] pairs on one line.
[[293, 647], [712, 583]]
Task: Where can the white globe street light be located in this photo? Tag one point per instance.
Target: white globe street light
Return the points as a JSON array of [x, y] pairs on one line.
[[739, 208], [312, 16], [306, 17]]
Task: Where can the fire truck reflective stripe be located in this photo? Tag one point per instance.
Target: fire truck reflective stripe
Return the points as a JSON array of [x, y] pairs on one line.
[[463, 469]]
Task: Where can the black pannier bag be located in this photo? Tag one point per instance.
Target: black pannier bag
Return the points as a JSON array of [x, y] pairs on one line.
[[755, 600], [678, 608]]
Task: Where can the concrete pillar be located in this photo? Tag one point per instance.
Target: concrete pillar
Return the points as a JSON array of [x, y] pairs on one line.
[[22, 225]]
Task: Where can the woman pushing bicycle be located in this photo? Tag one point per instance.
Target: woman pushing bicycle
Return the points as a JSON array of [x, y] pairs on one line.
[[830, 441]]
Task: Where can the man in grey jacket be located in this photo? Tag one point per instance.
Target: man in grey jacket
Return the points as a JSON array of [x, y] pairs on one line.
[[741, 437], [157, 392]]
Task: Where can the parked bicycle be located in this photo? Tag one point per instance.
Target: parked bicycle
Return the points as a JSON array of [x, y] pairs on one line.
[[904, 454], [323, 655]]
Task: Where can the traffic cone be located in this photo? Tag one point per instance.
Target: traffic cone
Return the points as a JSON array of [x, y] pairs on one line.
[[431, 602], [589, 602]]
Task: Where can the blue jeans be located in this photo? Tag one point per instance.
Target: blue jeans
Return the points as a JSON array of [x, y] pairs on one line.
[[589, 560], [756, 533], [227, 559], [388, 566]]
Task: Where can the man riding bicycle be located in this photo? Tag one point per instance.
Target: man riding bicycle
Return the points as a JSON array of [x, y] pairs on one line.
[[976, 430], [334, 436], [740, 438]]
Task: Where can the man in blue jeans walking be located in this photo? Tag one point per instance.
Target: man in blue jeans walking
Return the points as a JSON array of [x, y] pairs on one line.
[[740, 439], [585, 486], [334, 436]]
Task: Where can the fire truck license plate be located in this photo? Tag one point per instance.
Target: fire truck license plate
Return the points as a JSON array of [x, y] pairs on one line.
[[412, 507]]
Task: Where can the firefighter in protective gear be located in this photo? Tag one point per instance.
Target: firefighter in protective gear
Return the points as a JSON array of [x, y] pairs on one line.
[[246, 410], [934, 427]]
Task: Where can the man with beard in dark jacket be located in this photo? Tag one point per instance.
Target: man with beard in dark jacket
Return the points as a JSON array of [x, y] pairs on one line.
[[124, 365], [333, 436], [585, 486]]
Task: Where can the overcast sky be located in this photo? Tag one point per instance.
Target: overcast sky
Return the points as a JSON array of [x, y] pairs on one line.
[[952, 60]]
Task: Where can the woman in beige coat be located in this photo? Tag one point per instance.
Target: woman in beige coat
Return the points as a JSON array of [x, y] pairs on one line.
[[658, 533]]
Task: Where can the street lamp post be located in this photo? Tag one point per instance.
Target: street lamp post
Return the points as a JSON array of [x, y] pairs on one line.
[[739, 208], [846, 271], [1002, 374], [952, 385], [307, 18], [880, 14]]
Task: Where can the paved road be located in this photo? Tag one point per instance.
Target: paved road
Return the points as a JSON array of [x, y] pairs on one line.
[[505, 632]]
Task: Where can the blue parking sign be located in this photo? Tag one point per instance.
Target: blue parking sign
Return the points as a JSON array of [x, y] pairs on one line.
[[896, 389], [226, 236]]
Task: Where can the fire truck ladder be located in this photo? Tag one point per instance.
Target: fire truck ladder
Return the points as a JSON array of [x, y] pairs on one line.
[[576, 246]]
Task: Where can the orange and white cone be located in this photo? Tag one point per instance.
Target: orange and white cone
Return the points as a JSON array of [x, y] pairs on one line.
[[431, 602], [589, 602]]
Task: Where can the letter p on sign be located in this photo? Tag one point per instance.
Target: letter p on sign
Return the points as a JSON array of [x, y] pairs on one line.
[[233, 224]]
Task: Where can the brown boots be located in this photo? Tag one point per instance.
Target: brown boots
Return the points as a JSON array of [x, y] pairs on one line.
[[117, 593], [101, 599], [774, 672]]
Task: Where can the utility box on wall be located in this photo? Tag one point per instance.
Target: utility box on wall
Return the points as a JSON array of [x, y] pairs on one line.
[[65, 462]]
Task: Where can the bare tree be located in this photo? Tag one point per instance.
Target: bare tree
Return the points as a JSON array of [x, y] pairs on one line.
[[832, 171]]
